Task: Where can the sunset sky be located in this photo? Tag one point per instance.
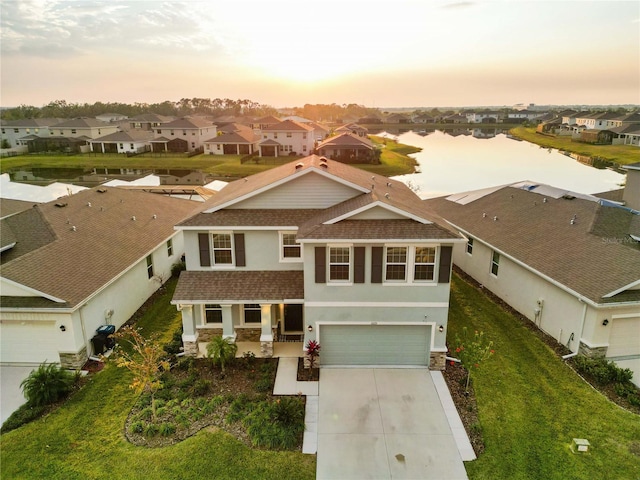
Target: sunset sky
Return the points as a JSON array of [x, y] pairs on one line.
[[288, 53]]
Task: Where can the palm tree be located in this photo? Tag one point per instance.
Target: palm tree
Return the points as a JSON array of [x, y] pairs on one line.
[[221, 351]]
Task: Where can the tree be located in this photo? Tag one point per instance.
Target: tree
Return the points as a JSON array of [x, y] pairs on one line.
[[221, 351], [146, 362], [472, 351], [47, 384]]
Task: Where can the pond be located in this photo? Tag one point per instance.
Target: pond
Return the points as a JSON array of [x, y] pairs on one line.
[[462, 160]]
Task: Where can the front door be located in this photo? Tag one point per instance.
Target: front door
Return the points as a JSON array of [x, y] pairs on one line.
[[292, 318]]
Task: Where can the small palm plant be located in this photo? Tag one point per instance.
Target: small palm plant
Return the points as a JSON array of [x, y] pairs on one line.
[[313, 352], [221, 351], [47, 384]]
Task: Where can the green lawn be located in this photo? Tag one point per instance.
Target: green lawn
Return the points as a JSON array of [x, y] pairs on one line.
[[620, 154], [531, 404], [84, 439]]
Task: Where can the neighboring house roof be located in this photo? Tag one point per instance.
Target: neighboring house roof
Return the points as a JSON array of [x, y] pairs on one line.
[[257, 286], [287, 126], [9, 206], [70, 251], [347, 140], [613, 195], [578, 241], [188, 122], [269, 119], [81, 123], [150, 118], [270, 141], [239, 136], [319, 127], [252, 218], [297, 118], [32, 122], [352, 127], [130, 136]]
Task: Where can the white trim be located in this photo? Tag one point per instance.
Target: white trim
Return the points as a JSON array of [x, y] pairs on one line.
[[625, 315], [622, 289], [348, 281], [296, 174], [377, 203], [7, 247], [281, 246], [593, 345], [378, 241], [238, 227], [272, 301], [377, 304], [33, 290]]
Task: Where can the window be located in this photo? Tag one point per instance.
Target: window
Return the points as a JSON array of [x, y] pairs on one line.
[[3, 131], [470, 246], [339, 264], [121, 145], [184, 132], [304, 136], [17, 130], [27, 130], [222, 249], [424, 267], [252, 313], [495, 263], [304, 148], [170, 247], [149, 266], [159, 131], [212, 313], [275, 135], [172, 132], [131, 146], [288, 134], [290, 249], [396, 263], [73, 130]]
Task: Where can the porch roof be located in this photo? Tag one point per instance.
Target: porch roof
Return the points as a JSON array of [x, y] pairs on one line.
[[239, 287]]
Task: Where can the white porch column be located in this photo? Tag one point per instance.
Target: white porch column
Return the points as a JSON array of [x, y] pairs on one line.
[[266, 333], [237, 149], [227, 323], [189, 332]]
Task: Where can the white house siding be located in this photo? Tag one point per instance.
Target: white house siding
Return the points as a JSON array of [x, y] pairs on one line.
[[311, 190], [299, 143], [377, 213]]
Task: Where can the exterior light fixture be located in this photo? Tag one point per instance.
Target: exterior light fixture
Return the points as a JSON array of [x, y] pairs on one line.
[[63, 328], [441, 328], [310, 328], [605, 322]]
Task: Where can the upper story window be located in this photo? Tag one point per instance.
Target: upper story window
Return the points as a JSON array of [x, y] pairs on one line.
[[252, 313], [222, 249], [339, 264], [170, 247], [495, 263], [424, 265], [396, 264], [290, 249], [16, 130], [184, 132], [288, 134], [73, 130], [275, 135], [470, 246], [212, 313], [304, 135], [149, 266]]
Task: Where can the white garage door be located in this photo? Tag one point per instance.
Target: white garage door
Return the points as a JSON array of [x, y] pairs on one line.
[[374, 344], [624, 338], [28, 342]]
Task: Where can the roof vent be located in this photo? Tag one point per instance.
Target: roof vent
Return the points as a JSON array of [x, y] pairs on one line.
[[133, 218], [389, 184], [299, 165], [102, 190], [324, 165], [544, 200], [566, 196], [88, 204], [495, 219], [73, 228], [484, 215], [386, 195], [373, 178], [573, 219], [154, 216], [60, 205]]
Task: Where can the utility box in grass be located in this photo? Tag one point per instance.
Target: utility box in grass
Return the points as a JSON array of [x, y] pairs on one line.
[[580, 445]]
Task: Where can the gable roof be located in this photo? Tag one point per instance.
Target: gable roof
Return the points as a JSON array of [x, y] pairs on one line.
[[81, 123], [188, 122], [592, 256], [288, 126], [52, 257], [347, 139], [150, 118], [129, 136], [31, 122]]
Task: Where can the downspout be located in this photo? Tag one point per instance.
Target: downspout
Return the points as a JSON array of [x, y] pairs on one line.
[[584, 317], [84, 332]]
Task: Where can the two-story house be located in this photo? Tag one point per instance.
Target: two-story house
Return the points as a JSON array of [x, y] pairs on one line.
[[323, 251], [18, 132], [186, 134], [286, 138], [82, 127]]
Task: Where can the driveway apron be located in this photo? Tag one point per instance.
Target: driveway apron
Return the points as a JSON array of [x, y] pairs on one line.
[[383, 423]]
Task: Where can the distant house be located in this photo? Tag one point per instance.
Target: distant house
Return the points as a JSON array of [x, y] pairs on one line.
[[18, 132], [568, 262], [397, 118], [423, 118], [133, 141], [82, 128], [524, 115], [353, 128], [320, 131], [185, 134], [348, 148], [148, 121], [234, 139], [599, 137], [80, 262], [265, 122], [111, 117], [286, 138], [455, 118], [485, 116]]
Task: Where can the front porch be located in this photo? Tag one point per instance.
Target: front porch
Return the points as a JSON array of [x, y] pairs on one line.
[[280, 349]]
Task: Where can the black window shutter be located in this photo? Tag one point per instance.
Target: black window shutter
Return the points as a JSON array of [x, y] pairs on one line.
[[321, 264], [376, 264], [358, 265], [238, 241], [205, 254], [444, 273]]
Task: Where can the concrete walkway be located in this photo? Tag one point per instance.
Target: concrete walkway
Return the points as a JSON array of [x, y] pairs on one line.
[[10, 392], [385, 423]]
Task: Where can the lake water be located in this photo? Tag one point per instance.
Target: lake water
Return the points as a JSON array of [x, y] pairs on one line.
[[451, 164]]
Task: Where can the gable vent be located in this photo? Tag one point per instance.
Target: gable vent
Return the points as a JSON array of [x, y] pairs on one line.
[[299, 165]]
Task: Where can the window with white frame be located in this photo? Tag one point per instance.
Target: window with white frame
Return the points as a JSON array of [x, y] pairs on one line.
[[396, 264], [339, 264], [495, 263], [170, 247], [470, 246], [222, 249], [212, 314], [252, 313], [424, 265], [290, 250], [149, 266]]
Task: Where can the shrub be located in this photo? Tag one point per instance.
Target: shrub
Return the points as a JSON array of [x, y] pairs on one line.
[[201, 387], [167, 429], [603, 371], [137, 427], [175, 345], [288, 410], [151, 430], [178, 267], [186, 364], [47, 384], [263, 384], [25, 414], [276, 425], [221, 351]]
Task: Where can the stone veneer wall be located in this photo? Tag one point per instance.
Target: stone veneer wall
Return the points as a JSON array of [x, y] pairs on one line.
[[74, 360], [248, 334], [190, 348], [595, 352], [206, 334], [437, 361]]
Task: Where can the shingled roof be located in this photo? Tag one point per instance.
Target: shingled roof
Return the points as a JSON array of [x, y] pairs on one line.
[[579, 241], [70, 248]]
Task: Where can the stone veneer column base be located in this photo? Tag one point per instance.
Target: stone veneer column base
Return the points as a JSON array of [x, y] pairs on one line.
[[266, 349], [589, 352], [74, 361], [437, 360], [190, 348]]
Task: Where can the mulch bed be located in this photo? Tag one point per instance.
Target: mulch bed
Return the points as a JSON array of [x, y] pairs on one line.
[[307, 374]]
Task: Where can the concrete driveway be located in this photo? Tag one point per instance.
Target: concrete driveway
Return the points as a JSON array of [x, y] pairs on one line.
[[10, 392], [383, 423]]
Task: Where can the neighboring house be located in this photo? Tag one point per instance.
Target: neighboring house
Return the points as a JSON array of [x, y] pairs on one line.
[[456, 118], [598, 137], [80, 262], [397, 118], [353, 128], [348, 148], [323, 251], [15, 190], [486, 116], [286, 138], [16, 131], [524, 115], [627, 135], [424, 118], [233, 139], [148, 121], [598, 120], [320, 132], [133, 141], [186, 134], [265, 122], [111, 117], [89, 128], [568, 262]]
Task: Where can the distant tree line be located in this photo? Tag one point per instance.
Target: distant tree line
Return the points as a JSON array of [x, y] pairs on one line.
[[185, 106], [334, 112]]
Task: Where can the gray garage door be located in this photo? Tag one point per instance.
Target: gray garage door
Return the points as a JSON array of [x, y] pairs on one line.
[[374, 344]]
